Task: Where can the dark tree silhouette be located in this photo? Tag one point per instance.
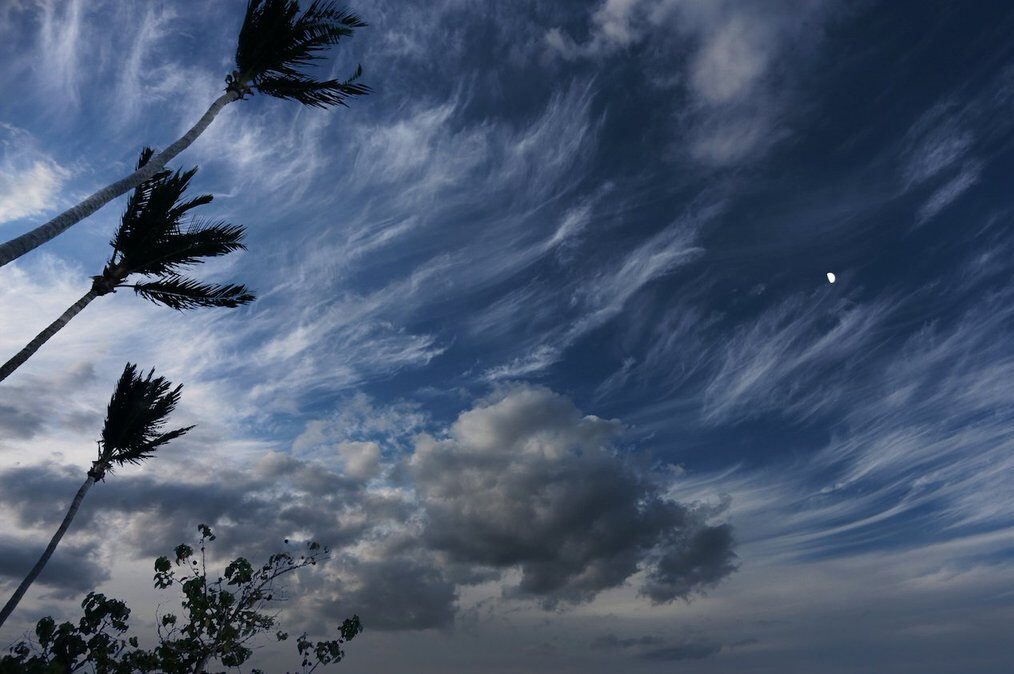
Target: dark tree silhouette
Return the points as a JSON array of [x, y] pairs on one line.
[[151, 241], [132, 433], [221, 620], [275, 42]]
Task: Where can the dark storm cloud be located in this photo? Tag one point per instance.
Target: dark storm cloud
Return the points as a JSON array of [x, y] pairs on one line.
[[691, 651], [651, 647], [29, 404], [20, 423], [252, 514], [700, 559], [73, 568], [35, 494], [527, 481], [399, 594], [160, 512], [612, 641], [521, 481]]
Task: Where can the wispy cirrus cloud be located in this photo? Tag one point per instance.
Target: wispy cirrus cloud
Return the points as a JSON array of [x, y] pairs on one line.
[[794, 359], [948, 147], [600, 297], [61, 32], [918, 427]]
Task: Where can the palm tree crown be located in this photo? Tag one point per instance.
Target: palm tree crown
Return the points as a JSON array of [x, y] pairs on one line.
[[276, 41], [151, 241], [135, 418], [133, 431]]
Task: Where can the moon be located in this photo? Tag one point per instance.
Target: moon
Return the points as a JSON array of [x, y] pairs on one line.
[[830, 277]]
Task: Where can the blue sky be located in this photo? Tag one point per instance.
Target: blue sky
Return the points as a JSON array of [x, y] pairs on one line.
[[544, 344]]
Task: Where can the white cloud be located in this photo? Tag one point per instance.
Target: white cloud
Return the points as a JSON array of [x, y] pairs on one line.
[[949, 191], [947, 148], [143, 79], [739, 100], [731, 60], [61, 61], [30, 180], [361, 459]]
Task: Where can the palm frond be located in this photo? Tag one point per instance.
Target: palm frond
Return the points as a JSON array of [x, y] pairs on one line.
[[181, 293], [276, 41], [137, 413], [146, 231], [313, 92], [137, 201], [164, 203], [180, 209], [178, 249]]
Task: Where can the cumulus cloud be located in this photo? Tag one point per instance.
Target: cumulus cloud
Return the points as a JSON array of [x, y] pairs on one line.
[[522, 482], [526, 481], [400, 593], [361, 460], [358, 419]]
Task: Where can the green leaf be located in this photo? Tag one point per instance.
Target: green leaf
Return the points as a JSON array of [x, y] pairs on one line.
[[183, 552], [44, 631]]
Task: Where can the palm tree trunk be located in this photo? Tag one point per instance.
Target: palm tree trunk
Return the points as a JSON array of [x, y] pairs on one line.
[[29, 241], [24, 354], [12, 603]]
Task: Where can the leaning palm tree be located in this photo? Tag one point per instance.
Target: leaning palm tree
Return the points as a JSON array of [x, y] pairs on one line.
[[275, 42], [132, 433], [151, 242]]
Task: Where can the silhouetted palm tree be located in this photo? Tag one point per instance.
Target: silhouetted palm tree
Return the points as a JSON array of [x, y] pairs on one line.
[[151, 242], [132, 433], [274, 43]]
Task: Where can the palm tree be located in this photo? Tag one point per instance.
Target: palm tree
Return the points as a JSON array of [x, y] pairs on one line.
[[274, 43], [151, 242], [132, 433]]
